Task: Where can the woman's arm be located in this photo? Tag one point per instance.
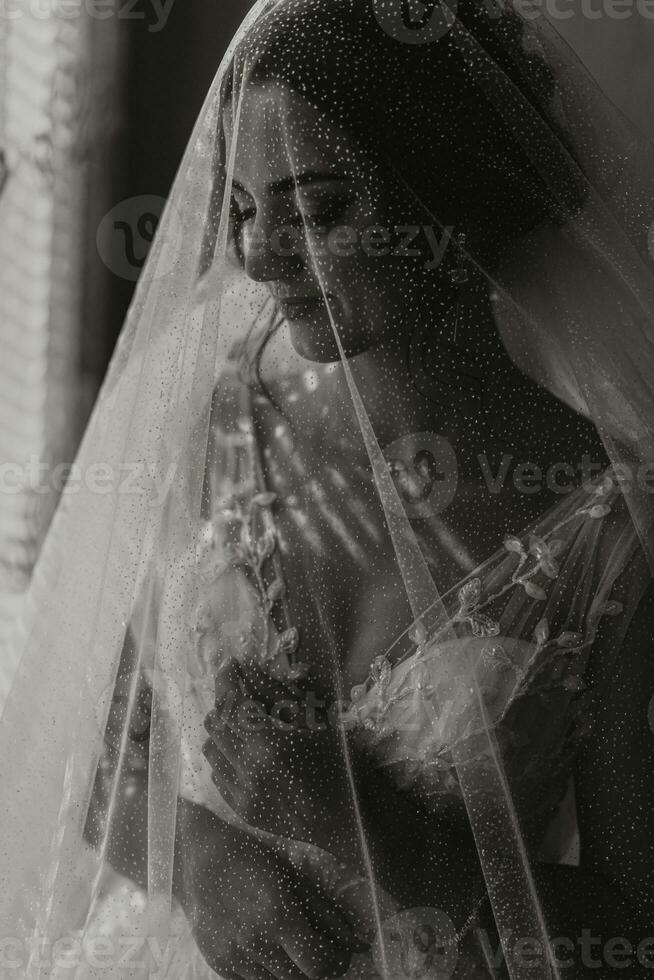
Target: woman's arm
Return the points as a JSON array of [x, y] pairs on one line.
[[295, 773], [252, 912], [428, 858]]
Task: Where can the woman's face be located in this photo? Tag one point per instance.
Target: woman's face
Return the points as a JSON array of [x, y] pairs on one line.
[[314, 222]]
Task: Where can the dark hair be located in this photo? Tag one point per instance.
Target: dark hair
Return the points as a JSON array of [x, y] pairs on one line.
[[464, 120]]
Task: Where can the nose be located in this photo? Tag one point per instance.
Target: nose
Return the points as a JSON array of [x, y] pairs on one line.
[[272, 250]]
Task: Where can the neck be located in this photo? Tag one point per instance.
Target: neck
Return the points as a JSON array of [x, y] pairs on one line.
[[437, 375], [406, 389]]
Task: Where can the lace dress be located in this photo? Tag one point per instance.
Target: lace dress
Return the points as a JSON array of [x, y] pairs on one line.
[[527, 619]]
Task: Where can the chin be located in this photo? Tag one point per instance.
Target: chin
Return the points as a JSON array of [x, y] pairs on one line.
[[314, 341]]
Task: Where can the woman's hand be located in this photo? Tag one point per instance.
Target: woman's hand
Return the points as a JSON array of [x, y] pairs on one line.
[[278, 762], [254, 915]]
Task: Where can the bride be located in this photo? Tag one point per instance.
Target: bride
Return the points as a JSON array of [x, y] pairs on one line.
[[357, 680]]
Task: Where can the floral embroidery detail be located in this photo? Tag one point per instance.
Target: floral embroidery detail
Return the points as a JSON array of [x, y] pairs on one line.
[[538, 556], [211, 562], [483, 625], [436, 758], [542, 633], [545, 554], [468, 612], [599, 510], [611, 608], [605, 486], [544, 667], [358, 692], [515, 545], [418, 634], [257, 542], [533, 591], [287, 643], [242, 533], [298, 672], [596, 509], [569, 639], [380, 672], [469, 595], [608, 607], [496, 657]]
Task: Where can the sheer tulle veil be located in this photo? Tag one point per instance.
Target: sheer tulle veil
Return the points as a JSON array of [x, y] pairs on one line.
[[181, 467]]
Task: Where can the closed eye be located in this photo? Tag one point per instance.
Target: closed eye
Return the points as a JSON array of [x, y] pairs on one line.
[[324, 212], [309, 204], [312, 215], [242, 214]]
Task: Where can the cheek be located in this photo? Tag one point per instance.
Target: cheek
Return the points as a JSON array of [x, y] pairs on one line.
[[356, 276], [373, 287], [377, 288]]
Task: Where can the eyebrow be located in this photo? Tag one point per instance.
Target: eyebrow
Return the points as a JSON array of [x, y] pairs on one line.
[[290, 183]]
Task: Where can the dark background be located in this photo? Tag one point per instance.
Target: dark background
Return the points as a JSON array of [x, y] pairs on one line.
[[165, 78]]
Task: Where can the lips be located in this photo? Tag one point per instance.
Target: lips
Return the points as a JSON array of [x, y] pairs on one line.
[[298, 306]]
